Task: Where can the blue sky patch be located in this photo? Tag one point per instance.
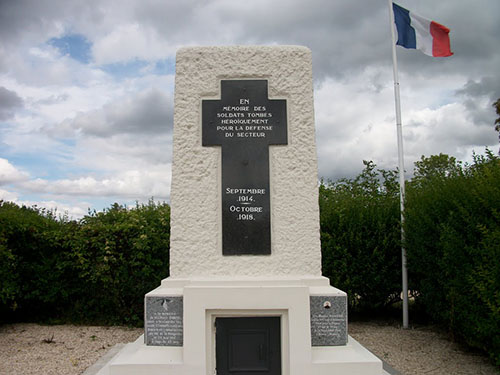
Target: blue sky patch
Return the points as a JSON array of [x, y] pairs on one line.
[[138, 68], [74, 45], [125, 69], [37, 165], [164, 67]]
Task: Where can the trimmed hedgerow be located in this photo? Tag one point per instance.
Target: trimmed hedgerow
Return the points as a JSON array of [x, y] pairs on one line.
[[96, 270], [360, 238], [452, 226]]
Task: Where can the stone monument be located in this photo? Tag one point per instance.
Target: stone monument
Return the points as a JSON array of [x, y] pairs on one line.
[[245, 293]]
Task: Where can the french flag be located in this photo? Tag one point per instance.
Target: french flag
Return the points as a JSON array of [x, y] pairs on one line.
[[420, 33]]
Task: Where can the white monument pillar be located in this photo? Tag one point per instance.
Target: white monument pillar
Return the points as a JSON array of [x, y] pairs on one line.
[[245, 258]]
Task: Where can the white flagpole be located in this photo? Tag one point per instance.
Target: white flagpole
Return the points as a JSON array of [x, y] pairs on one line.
[[401, 166]]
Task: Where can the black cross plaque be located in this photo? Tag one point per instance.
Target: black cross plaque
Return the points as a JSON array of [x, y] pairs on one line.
[[245, 122]]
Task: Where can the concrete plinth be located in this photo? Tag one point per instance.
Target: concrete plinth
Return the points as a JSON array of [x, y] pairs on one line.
[[209, 298]]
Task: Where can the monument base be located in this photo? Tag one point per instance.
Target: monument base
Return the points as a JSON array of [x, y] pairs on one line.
[[181, 338]]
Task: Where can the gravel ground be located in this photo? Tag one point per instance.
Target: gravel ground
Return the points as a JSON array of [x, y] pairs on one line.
[[31, 349], [420, 351]]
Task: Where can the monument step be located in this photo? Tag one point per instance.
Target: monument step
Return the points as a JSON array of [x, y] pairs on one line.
[[306, 280], [138, 359]]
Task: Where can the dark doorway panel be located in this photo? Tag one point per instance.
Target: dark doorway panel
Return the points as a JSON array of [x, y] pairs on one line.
[[248, 346]]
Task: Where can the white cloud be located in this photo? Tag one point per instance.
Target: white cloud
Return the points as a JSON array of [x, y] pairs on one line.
[[355, 121], [143, 113], [131, 41], [8, 196], [10, 174], [123, 152], [129, 184]]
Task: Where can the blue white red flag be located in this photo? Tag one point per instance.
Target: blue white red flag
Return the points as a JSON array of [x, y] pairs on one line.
[[420, 33]]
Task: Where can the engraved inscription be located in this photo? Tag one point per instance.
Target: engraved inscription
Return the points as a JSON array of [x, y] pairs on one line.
[[245, 122], [164, 322], [328, 320], [244, 207]]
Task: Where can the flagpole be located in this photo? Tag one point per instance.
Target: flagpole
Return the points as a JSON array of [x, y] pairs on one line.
[[401, 166]]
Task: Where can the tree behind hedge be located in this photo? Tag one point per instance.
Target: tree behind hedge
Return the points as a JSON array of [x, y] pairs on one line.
[[360, 237]]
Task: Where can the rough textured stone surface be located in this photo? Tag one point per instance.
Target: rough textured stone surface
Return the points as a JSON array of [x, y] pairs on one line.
[[196, 248]]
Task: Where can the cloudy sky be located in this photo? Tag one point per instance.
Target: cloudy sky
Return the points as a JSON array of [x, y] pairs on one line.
[[86, 88]]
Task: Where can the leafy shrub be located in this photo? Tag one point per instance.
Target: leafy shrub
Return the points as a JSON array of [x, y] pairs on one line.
[[452, 226], [119, 255], [360, 237], [96, 270], [29, 274]]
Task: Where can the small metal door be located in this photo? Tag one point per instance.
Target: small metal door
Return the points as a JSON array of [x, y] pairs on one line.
[[248, 346]]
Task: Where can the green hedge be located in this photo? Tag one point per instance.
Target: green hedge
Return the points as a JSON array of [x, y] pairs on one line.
[[96, 270], [360, 238], [452, 226], [30, 273]]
